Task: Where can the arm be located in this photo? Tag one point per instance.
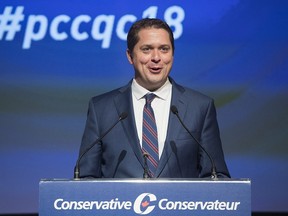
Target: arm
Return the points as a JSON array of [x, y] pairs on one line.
[[90, 165], [210, 140]]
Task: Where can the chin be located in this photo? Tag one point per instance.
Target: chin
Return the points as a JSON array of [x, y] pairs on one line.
[[155, 85]]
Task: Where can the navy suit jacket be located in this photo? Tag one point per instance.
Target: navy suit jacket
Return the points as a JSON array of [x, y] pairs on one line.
[[119, 155]]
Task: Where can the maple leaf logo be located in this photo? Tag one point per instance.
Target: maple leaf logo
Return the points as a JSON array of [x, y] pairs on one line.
[[145, 204]]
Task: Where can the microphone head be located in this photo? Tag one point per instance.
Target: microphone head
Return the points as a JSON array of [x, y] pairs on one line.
[[174, 109], [123, 115], [173, 147], [122, 155], [145, 155]]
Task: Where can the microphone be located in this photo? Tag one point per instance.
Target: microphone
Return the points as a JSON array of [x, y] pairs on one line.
[[77, 169], [213, 167], [120, 159], [146, 170]]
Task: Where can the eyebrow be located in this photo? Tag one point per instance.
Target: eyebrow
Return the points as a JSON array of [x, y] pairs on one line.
[[162, 45]]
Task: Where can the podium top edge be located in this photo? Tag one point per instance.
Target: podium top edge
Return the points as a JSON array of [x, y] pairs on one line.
[[140, 180]]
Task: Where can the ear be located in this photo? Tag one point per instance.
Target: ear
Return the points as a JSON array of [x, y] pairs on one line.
[[129, 56]]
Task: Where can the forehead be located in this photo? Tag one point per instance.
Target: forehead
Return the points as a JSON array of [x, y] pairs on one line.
[[153, 36]]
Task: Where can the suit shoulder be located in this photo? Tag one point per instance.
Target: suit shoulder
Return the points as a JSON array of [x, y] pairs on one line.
[[196, 93], [108, 96], [189, 93], [105, 96], [193, 94]]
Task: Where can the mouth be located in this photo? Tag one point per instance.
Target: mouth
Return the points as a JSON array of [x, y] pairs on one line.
[[155, 69]]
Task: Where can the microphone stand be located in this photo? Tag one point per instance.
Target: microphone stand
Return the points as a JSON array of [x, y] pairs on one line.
[[146, 170]]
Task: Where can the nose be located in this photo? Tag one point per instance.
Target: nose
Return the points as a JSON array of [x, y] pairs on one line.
[[155, 56]]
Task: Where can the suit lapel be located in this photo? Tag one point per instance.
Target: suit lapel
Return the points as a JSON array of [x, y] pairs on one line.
[[123, 103], [173, 125]]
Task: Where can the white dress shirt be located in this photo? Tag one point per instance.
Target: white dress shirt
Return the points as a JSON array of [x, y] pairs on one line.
[[161, 107]]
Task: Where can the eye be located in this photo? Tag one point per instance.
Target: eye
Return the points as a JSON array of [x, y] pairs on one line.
[[165, 49], [145, 49]]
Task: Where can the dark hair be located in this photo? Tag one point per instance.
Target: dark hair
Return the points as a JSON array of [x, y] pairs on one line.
[[132, 37]]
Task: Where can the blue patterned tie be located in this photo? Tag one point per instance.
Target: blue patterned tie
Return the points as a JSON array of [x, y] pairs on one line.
[[149, 135]]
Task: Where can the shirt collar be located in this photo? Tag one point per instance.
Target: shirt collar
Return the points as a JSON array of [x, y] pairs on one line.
[[163, 92]]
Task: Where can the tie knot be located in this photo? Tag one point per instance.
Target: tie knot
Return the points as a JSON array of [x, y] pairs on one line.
[[149, 98]]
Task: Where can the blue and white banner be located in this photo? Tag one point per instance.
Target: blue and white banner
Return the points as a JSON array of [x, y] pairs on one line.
[[141, 197]]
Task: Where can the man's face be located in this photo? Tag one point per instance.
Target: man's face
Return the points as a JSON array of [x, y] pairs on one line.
[[152, 58]]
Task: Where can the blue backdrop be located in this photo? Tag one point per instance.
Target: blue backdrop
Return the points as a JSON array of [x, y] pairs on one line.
[[55, 55]]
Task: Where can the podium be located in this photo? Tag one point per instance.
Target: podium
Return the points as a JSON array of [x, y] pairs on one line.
[[145, 197]]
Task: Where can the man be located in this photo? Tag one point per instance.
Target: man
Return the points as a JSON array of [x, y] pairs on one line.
[[152, 142]]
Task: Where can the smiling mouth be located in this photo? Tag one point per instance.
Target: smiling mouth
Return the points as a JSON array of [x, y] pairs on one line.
[[155, 69]]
